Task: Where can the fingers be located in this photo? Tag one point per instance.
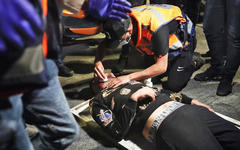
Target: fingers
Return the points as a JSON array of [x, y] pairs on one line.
[[114, 83], [13, 36], [118, 15], [147, 92], [99, 73], [209, 108], [153, 96], [28, 31], [196, 102], [112, 75], [151, 93], [29, 13], [123, 3], [122, 8], [99, 70]]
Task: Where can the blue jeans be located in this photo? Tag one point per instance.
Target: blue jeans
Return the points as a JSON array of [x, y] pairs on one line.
[[222, 31], [12, 116], [48, 110]]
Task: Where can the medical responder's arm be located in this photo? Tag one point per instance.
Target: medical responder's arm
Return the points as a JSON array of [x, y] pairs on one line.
[[100, 9], [98, 68], [156, 69]]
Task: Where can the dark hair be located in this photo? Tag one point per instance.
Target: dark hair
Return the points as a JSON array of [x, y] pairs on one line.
[[114, 29]]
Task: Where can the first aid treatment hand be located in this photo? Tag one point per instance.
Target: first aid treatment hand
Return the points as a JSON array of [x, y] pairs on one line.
[[19, 23], [109, 9]]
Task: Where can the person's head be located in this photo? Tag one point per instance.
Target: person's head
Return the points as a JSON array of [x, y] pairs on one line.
[[118, 32]]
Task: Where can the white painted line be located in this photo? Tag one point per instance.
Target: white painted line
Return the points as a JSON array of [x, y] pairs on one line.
[[234, 121]]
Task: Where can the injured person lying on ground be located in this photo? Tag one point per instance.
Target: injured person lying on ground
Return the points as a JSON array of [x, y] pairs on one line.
[[166, 119]]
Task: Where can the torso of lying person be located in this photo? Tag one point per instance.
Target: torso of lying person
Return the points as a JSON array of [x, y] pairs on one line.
[[115, 111]]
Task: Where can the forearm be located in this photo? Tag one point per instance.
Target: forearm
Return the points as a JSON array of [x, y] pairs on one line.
[[149, 72], [100, 53], [156, 69]]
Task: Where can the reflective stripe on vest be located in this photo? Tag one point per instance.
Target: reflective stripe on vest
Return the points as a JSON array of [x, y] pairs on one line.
[[44, 40], [150, 18]]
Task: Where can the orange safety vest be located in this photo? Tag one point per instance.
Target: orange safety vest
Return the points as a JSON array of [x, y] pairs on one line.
[[150, 18], [44, 40]]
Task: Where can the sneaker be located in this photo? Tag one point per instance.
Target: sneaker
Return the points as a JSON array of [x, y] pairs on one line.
[[224, 88], [198, 61], [211, 73], [64, 71]]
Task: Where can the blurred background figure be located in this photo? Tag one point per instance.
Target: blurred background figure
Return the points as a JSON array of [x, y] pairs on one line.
[[222, 31], [29, 85]]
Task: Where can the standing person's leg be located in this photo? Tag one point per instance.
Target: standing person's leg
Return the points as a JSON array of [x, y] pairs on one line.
[[47, 108], [16, 138], [214, 29], [225, 132], [233, 47], [191, 8]]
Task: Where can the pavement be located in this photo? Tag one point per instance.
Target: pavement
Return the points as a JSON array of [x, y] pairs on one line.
[[80, 57]]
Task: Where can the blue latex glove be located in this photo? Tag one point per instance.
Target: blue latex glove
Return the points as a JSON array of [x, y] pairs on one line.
[[109, 9], [2, 45], [19, 23]]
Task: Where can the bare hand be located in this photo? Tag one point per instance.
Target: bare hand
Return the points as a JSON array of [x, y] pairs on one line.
[[143, 93], [196, 102], [99, 70], [118, 81]]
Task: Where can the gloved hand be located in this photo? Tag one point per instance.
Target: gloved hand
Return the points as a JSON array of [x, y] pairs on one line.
[[19, 23], [2, 45], [109, 9]]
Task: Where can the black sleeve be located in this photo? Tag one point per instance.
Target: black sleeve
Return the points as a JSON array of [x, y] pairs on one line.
[[160, 41], [177, 97], [160, 38], [110, 44]]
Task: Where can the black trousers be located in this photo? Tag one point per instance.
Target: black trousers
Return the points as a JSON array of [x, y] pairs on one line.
[[179, 71], [193, 127]]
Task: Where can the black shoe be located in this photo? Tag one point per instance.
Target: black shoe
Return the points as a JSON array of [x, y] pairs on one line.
[[224, 88], [64, 71], [198, 61], [211, 73], [118, 68]]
